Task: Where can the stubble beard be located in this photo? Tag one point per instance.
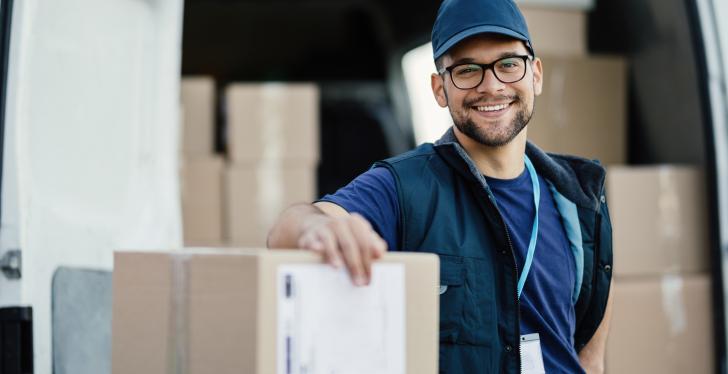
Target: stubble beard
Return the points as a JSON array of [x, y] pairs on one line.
[[482, 135]]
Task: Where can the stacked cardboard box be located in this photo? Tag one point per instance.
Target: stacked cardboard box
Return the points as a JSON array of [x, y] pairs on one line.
[[659, 220], [661, 293], [273, 152], [201, 191], [198, 108], [556, 32], [237, 311], [582, 108], [201, 169]]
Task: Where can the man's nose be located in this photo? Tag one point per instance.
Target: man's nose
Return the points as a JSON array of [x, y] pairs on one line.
[[490, 83]]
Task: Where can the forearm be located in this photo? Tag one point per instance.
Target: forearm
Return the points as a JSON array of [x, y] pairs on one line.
[[291, 223], [592, 356]]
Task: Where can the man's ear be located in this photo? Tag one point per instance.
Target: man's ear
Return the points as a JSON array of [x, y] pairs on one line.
[[438, 89], [537, 76]]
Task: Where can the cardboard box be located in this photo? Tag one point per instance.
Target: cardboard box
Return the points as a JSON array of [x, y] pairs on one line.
[[218, 311], [659, 220], [661, 325], [256, 195], [272, 121], [557, 32], [584, 5], [582, 109], [198, 116], [202, 190]]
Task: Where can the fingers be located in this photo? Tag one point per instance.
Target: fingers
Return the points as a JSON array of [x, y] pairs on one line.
[[331, 248], [369, 243], [349, 240], [350, 251]]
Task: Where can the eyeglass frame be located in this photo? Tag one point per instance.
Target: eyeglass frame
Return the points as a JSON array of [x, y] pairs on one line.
[[485, 68]]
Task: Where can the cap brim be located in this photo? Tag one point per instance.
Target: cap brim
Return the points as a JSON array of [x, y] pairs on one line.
[[483, 29]]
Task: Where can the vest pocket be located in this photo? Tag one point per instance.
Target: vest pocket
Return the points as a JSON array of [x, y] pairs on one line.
[[467, 305], [452, 297]]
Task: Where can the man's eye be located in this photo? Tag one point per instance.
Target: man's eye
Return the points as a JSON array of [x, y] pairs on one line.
[[509, 64], [467, 70]]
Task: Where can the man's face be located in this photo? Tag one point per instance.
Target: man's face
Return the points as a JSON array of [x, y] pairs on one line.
[[492, 113]]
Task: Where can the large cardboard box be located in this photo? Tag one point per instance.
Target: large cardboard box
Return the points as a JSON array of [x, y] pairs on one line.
[[272, 121], [202, 205], [659, 219], [661, 325], [556, 32], [198, 116], [581, 110], [219, 311], [256, 195]]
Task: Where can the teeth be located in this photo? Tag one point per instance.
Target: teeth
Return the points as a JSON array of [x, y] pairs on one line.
[[492, 108]]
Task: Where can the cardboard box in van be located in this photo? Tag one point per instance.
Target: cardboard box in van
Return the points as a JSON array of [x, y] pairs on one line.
[[198, 116], [659, 220], [256, 195], [272, 121], [661, 325], [582, 109], [202, 205], [556, 32]]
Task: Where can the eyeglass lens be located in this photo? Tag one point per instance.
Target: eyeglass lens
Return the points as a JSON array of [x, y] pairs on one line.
[[506, 70]]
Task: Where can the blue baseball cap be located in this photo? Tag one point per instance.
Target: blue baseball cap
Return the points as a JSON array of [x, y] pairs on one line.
[[461, 19]]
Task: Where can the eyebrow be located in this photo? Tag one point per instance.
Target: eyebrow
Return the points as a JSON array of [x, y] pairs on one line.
[[468, 60]]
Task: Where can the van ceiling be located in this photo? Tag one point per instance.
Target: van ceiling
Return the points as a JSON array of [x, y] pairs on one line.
[[293, 40]]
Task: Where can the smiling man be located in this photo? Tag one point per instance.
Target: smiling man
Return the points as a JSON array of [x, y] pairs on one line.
[[523, 236]]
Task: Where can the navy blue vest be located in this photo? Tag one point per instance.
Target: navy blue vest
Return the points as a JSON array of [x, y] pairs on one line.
[[447, 208]]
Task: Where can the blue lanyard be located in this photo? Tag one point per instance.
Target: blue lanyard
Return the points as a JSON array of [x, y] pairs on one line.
[[534, 230]]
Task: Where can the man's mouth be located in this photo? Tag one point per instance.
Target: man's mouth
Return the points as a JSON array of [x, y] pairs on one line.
[[492, 108]]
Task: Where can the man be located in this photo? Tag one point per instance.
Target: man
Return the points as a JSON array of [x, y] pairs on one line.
[[524, 238]]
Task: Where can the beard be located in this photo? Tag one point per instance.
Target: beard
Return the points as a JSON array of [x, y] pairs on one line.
[[487, 137]]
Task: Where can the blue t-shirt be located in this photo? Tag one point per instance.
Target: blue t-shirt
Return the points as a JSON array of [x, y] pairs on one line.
[[372, 194], [546, 301]]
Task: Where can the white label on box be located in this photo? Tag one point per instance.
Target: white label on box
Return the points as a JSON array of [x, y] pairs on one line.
[[327, 325]]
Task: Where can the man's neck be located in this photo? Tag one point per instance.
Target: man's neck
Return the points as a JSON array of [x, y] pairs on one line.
[[504, 162]]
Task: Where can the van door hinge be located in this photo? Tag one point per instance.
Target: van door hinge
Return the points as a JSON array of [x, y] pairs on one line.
[[10, 264]]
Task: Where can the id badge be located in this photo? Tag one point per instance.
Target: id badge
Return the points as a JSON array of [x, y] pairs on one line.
[[531, 356]]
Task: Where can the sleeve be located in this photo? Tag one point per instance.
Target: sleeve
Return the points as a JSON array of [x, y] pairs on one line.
[[372, 194]]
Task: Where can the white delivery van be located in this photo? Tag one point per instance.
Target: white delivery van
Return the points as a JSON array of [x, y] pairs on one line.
[[89, 122]]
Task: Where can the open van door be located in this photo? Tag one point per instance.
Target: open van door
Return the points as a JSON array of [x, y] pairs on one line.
[[711, 18], [89, 154]]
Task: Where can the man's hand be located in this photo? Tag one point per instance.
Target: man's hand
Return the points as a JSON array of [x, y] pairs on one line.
[[342, 238], [591, 356]]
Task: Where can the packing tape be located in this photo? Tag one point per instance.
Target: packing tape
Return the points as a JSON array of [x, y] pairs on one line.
[[673, 304], [668, 216], [558, 92], [271, 119], [178, 342], [269, 175], [668, 204]]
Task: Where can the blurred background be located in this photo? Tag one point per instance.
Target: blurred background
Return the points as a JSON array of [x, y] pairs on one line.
[[157, 124]]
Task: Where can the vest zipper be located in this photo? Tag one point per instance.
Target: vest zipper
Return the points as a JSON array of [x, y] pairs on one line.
[[515, 275], [518, 301]]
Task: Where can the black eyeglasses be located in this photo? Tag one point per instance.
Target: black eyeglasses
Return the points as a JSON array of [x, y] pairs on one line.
[[469, 75]]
